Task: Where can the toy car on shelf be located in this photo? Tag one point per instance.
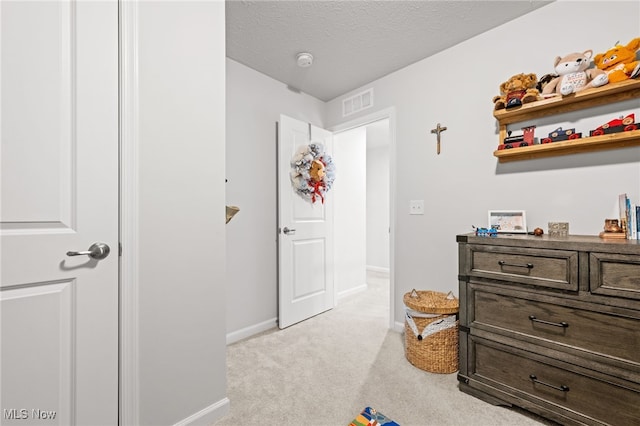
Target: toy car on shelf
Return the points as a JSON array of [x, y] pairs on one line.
[[622, 124], [513, 145], [561, 134], [517, 141]]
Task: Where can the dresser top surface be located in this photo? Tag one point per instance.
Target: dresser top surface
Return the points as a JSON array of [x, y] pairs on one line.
[[571, 242]]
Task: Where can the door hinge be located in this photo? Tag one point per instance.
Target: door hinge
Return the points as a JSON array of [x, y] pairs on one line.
[[119, 249]]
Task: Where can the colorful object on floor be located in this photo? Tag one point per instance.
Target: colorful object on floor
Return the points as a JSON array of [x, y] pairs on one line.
[[370, 417]]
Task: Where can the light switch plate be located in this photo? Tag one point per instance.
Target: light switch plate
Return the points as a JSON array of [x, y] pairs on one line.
[[416, 207]]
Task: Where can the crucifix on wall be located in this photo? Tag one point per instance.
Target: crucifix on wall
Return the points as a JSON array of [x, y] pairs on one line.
[[437, 131]]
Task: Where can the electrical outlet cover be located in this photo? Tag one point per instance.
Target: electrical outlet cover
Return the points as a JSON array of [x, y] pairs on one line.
[[416, 207]]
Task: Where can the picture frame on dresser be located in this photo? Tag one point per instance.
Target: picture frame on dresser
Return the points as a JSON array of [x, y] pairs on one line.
[[508, 221]]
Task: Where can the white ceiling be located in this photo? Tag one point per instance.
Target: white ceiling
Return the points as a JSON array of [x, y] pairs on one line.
[[354, 42]]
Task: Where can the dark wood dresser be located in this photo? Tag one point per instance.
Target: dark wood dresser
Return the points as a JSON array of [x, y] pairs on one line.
[[552, 325]]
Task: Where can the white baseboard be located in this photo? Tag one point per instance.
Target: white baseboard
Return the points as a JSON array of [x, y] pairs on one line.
[[252, 330], [378, 269], [398, 326], [351, 291], [208, 415]]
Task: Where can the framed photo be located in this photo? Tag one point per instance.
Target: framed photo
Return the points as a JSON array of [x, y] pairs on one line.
[[508, 221]]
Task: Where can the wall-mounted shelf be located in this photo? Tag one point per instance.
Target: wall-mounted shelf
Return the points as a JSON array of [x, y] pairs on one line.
[[610, 93]]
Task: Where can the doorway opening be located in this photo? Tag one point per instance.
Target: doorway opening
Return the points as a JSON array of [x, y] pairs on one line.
[[363, 212]]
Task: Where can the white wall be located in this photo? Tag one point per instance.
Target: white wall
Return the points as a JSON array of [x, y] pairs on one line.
[[378, 155], [181, 231], [455, 88], [254, 104], [350, 210]]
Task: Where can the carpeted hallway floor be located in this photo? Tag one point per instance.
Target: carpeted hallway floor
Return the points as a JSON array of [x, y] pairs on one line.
[[325, 370]]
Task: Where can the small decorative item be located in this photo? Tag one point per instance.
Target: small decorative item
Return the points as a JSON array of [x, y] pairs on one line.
[[612, 229], [558, 229], [574, 75], [518, 141], [561, 134], [538, 232], [437, 132], [485, 232], [519, 89], [622, 124], [620, 62], [508, 221], [312, 172]]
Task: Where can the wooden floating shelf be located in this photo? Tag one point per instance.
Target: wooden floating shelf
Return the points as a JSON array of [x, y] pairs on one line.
[[607, 94], [573, 146]]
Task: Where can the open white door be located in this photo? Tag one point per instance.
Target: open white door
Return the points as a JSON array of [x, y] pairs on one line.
[[59, 312], [305, 233]]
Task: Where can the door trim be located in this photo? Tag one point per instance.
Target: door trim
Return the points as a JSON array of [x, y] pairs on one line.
[[390, 114], [129, 214]]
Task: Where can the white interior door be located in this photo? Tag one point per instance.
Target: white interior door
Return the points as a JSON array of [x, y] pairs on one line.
[[305, 233], [59, 170]]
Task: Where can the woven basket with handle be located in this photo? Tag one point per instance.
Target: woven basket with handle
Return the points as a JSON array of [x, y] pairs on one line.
[[438, 352]]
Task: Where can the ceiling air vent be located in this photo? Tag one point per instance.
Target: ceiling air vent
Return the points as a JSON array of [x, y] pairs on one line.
[[357, 103]]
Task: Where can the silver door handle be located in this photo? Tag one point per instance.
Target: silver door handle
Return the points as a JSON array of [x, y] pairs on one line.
[[97, 251], [288, 231]]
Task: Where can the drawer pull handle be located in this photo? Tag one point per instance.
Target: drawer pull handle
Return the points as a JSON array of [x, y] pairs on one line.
[[562, 388], [555, 324], [527, 265]]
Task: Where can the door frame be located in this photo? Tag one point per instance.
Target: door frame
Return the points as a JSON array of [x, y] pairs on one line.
[[389, 114], [129, 214]]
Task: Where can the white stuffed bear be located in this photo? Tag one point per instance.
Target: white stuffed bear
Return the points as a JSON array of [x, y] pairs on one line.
[[574, 75]]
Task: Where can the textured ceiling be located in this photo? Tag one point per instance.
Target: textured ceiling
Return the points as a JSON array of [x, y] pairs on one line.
[[353, 42]]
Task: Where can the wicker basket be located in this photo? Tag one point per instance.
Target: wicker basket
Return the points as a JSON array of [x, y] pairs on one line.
[[437, 352]]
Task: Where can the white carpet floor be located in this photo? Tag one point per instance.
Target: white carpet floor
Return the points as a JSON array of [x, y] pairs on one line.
[[325, 370]]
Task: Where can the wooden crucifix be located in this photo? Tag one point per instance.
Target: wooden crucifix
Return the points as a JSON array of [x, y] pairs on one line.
[[437, 131]]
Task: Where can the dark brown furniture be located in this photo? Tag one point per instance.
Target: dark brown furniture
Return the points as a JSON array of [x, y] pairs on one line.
[[552, 325]]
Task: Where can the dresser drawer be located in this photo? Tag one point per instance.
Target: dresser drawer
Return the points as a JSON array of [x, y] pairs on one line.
[[539, 267], [615, 275], [557, 388], [595, 332]]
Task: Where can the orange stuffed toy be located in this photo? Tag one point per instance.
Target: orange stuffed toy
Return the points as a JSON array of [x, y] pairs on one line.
[[620, 62]]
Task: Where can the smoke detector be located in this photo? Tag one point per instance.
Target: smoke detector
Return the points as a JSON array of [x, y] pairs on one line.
[[304, 59]]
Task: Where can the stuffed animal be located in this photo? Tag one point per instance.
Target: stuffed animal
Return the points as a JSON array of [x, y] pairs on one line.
[[574, 75], [620, 62], [544, 80], [317, 171], [519, 89]]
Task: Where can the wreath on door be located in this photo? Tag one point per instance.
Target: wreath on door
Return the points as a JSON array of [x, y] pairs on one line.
[[312, 172]]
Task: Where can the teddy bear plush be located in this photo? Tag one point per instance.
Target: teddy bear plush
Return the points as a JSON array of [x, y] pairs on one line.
[[574, 75], [620, 62], [519, 89], [317, 171]]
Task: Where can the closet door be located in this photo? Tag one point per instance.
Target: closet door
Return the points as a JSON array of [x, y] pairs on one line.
[[59, 212]]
